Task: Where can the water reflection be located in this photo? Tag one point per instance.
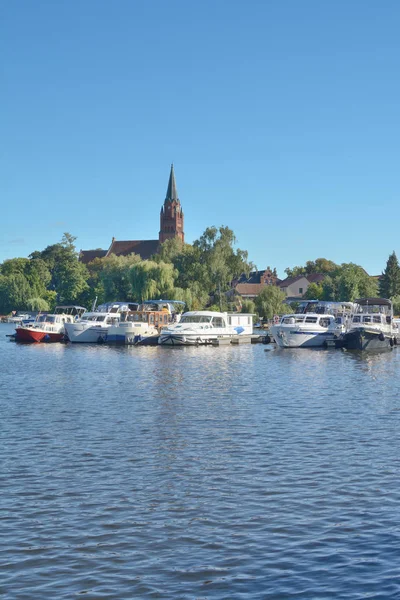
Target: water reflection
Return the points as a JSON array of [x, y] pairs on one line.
[[198, 472]]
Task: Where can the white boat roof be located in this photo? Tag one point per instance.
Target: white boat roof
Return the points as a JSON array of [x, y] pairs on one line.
[[204, 313], [99, 312], [309, 314], [213, 313]]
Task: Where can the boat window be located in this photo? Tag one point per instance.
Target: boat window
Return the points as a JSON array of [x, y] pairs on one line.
[[324, 322], [288, 320], [196, 319], [338, 320], [311, 319], [376, 319], [356, 319], [100, 318], [50, 319], [299, 319], [367, 319], [217, 322]]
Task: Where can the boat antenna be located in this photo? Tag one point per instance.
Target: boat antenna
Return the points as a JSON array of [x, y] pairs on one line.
[[94, 304]]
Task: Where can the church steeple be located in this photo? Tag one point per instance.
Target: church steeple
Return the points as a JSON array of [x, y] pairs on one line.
[[171, 216], [172, 193]]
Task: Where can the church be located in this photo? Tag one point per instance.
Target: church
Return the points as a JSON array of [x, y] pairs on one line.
[[171, 226]]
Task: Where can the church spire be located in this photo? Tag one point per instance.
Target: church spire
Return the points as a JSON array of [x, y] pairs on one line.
[[171, 215], [172, 193]]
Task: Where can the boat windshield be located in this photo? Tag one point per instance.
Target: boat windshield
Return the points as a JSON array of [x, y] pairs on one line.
[[196, 319], [325, 322], [93, 317], [50, 319]]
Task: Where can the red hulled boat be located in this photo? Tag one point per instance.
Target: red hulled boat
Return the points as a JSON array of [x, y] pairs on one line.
[[49, 328]]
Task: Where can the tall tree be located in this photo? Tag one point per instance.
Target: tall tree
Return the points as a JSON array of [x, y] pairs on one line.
[[352, 282], [270, 302], [389, 285], [68, 275]]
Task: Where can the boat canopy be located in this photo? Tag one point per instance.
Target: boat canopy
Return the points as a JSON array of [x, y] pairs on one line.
[[373, 302], [164, 302], [69, 309]]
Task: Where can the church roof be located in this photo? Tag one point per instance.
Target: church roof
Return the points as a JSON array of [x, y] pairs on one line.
[[172, 193], [86, 256], [145, 248]]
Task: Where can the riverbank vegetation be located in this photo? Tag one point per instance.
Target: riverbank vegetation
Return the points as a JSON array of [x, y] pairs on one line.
[[200, 274]]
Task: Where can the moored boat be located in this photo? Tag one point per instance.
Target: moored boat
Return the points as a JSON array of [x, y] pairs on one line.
[[314, 325], [206, 327], [371, 326], [142, 322], [49, 327]]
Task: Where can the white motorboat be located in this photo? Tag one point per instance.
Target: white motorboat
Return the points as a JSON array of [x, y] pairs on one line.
[[205, 327], [313, 325], [93, 326], [304, 330], [19, 318]]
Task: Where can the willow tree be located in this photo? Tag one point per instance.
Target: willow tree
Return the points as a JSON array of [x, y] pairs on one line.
[[152, 280], [270, 302]]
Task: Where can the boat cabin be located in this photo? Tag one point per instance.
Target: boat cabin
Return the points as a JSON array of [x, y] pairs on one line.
[[323, 320], [157, 318]]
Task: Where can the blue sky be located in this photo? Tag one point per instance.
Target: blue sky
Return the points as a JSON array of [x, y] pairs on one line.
[[281, 119]]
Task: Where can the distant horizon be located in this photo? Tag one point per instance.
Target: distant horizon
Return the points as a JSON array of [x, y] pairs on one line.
[[281, 121]]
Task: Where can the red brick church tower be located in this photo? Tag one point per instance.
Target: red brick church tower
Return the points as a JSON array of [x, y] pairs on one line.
[[171, 216]]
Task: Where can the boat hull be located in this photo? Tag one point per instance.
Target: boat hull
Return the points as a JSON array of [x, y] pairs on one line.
[[29, 335], [297, 338], [171, 339], [77, 333], [364, 339], [35, 335]]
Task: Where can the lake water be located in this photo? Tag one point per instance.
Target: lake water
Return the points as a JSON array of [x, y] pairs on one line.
[[239, 472]]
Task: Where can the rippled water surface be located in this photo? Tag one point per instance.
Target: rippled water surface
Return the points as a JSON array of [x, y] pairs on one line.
[[221, 473]]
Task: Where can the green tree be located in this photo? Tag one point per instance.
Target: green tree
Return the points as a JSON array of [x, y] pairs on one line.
[[389, 285], [216, 246], [68, 275], [353, 282], [396, 305], [315, 291], [14, 292], [115, 276], [37, 304], [270, 302], [248, 306], [152, 280]]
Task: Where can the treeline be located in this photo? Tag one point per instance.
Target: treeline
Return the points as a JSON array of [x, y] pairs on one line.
[[200, 274], [349, 281], [197, 274]]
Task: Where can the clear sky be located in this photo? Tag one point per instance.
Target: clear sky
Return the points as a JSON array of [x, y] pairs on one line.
[[281, 118]]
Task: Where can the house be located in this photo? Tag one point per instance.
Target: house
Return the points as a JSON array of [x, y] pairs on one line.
[[171, 226], [250, 287], [296, 287]]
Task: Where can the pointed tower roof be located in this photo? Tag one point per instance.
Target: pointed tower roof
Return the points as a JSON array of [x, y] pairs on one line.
[[172, 193]]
